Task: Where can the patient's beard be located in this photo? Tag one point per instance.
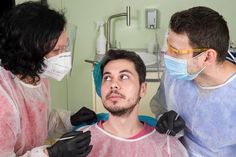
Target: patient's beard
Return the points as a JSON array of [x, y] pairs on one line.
[[122, 111]]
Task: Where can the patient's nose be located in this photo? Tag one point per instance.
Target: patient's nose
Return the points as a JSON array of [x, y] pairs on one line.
[[115, 85]]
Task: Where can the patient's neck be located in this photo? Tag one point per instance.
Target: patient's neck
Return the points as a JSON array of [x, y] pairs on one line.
[[123, 126]]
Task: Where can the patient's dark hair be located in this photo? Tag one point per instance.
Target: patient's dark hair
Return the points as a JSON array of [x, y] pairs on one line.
[[204, 27], [28, 32], [128, 55]]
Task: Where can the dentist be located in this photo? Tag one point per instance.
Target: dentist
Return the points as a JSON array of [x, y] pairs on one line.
[[199, 83], [33, 47]]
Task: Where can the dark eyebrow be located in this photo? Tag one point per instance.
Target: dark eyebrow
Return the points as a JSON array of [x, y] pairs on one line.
[[122, 71], [171, 45], [126, 71], [106, 73]]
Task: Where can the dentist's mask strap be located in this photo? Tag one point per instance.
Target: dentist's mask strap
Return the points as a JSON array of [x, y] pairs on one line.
[[58, 66]]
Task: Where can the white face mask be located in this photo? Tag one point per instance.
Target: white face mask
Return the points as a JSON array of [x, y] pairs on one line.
[[58, 66]]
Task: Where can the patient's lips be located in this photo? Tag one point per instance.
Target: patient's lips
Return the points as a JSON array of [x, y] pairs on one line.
[[114, 96]]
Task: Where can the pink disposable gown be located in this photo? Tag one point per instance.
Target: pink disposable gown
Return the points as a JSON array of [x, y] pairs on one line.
[[24, 117], [152, 144]]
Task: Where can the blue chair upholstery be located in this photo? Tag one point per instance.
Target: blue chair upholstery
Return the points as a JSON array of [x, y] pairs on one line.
[[232, 57], [104, 116]]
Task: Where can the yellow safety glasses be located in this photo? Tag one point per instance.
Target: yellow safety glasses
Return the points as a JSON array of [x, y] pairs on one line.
[[171, 49]]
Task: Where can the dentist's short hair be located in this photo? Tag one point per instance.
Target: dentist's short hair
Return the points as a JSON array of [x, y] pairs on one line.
[[204, 27]]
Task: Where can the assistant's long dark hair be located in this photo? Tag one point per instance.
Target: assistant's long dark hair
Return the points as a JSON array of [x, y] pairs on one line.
[[27, 33]]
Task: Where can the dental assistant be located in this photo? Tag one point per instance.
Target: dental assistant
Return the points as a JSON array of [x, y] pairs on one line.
[[199, 83], [33, 47]]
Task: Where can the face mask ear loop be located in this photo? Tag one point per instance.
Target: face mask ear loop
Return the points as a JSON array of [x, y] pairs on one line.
[[199, 56]]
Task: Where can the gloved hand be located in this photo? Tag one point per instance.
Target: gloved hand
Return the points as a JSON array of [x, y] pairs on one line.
[[78, 146], [84, 115], [168, 121]]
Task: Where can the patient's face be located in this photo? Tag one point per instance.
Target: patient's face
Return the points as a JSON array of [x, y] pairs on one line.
[[120, 90]]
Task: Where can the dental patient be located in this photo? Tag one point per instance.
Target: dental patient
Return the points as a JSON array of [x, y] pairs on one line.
[[123, 134]]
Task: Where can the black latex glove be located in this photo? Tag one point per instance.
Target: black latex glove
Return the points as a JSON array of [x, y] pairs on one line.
[[78, 146], [167, 122], [84, 115]]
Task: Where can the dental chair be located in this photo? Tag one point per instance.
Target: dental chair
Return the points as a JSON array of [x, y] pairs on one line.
[[104, 116], [231, 56]]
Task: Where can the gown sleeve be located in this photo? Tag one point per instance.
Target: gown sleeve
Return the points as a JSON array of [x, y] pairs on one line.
[[58, 119], [10, 128], [158, 103], [59, 122]]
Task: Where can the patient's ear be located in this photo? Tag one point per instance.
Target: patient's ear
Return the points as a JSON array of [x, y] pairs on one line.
[[143, 89]]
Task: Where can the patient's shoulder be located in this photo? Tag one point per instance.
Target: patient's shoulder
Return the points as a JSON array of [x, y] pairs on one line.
[[169, 144]]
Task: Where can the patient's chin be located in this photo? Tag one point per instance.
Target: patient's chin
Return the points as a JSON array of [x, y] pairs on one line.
[[120, 111]]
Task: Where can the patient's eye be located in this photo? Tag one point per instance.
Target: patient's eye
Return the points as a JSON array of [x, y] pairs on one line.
[[124, 77], [107, 78]]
